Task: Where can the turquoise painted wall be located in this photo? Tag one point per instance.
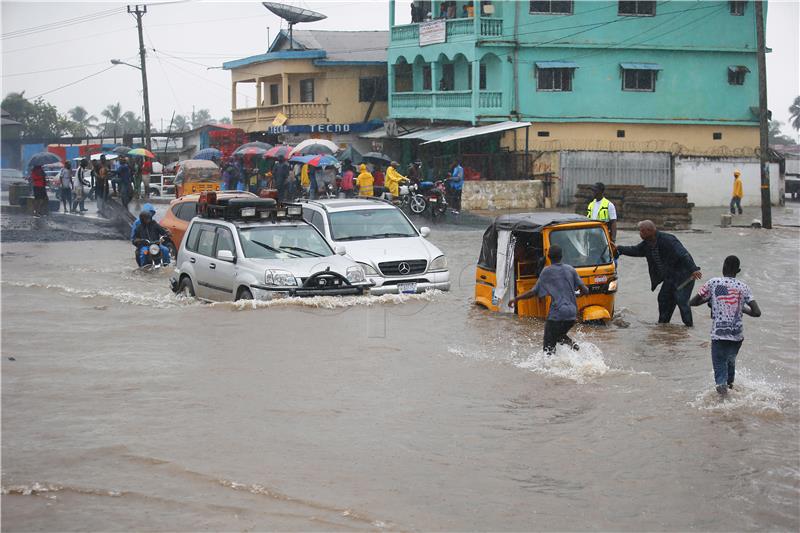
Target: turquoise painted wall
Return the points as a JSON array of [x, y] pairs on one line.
[[694, 42]]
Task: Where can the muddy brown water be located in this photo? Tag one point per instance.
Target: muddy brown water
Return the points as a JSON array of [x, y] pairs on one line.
[[127, 408]]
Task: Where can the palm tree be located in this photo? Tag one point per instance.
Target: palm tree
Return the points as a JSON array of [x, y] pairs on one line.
[[180, 123], [130, 122], [200, 118], [86, 122], [794, 111], [113, 116]]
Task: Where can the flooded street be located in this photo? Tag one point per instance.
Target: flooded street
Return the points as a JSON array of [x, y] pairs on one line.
[[128, 408]]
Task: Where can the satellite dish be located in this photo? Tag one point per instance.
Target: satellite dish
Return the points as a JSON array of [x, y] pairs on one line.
[[293, 15]]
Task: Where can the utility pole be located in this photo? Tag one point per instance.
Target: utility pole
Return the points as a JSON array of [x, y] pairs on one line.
[[138, 11], [766, 205]]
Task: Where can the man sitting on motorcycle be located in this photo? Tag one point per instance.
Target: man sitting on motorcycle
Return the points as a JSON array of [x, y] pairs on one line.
[[149, 231], [393, 180]]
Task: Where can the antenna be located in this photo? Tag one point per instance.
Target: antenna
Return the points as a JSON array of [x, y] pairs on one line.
[[293, 15]]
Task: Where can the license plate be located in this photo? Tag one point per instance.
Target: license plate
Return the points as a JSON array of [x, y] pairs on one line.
[[407, 288], [433, 200], [600, 279]]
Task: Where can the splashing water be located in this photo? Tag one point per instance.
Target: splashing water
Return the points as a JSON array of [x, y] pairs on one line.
[[330, 302], [750, 394], [580, 366]]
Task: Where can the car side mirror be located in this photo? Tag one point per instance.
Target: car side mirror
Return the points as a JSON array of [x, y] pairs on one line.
[[226, 255], [340, 250], [424, 231]]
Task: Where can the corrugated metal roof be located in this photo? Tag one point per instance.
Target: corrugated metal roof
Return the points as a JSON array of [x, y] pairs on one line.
[[424, 134], [556, 64], [641, 66], [338, 45], [466, 133]]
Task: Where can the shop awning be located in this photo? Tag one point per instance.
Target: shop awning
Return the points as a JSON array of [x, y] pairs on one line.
[[738, 68], [422, 134], [556, 64], [466, 133], [640, 66]]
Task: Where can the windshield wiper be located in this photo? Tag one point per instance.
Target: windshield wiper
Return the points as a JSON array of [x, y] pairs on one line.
[[353, 238], [310, 252], [273, 249], [391, 235]]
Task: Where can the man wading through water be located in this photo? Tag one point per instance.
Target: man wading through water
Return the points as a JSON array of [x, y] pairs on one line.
[[559, 282], [671, 265]]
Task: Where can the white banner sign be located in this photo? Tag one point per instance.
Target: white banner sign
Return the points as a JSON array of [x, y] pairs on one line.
[[433, 32]]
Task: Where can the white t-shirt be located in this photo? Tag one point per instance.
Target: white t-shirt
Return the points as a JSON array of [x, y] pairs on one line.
[[612, 211], [727, 296]]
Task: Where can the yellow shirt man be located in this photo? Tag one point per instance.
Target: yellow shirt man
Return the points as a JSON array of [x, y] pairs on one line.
[[738, 193], [392, 180]]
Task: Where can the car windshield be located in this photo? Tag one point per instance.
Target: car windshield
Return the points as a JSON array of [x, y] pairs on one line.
[[283, 242], [370, 224], [582, 247]]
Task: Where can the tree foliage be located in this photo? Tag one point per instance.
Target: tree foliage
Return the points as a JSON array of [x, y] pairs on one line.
[[40, 119], [794, 111]]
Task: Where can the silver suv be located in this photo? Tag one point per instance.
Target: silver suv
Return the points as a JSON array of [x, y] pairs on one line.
[[250, 249]]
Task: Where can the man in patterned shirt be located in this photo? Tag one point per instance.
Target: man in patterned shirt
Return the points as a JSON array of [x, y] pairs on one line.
[[729, 298]]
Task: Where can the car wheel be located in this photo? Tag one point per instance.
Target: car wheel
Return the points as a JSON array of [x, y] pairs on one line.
[[185, 287], [244, 294]]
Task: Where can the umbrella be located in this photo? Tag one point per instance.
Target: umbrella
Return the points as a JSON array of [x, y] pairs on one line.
[[121, 150], [142, 152], [316, 160], [352, 154], [313, 149], [109, 156], [328, 146], [255, 144], [208, 153], [43, 158], [280, 150], [376, 157], [250, 151]]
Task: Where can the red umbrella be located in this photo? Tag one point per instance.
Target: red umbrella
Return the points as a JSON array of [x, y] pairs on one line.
[[281, 150]]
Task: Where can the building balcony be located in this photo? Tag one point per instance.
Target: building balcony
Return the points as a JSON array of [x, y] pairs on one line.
[[488, 27], [262, 116], [453, 105]]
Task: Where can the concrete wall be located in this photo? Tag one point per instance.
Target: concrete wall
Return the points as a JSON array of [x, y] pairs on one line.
[[709, 181], [502, 195]]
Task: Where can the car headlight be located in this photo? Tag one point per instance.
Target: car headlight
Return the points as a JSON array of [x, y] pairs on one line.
[[355, 274], [612, 287], [369, 270], [440, 263], [280, 278]]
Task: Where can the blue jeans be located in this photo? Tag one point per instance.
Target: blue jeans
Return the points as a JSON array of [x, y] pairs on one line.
[[736, 202], [723, 357], [164, 254]]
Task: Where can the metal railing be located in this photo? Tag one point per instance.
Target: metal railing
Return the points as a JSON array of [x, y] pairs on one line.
[[489, 27], [304, 110]]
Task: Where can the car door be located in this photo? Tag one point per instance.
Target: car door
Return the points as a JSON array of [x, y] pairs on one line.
[[221, 281], [202, 260]]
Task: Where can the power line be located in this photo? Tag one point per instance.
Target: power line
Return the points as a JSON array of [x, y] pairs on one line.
[[74, 82], [60, 24], [53, 69], [62, 41]]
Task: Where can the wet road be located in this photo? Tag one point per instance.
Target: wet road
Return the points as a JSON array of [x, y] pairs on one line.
[[128, 408]]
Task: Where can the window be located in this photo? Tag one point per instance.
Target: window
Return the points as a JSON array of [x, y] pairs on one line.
[[582, 247], [638, 8], [205, 242], [620, 133], [481, 77], [447, 83], [273, 94], [224, 241], [315, 219], [185, 211], [307, 90], [736, 74], [543, 134], [717, 135], [283, 242], [554, 79], [426, 78], [374, 88], [551, 7], [289, 95], [639, 80], [737, 8], [194, 235], [366, 224]]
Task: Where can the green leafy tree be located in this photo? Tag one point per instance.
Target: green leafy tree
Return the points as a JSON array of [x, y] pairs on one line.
[[113, 117], [40, 119], [180, 123], [775, 135], [225, 120], [794, 111], [201, 117], [131, 123], [83, 122]]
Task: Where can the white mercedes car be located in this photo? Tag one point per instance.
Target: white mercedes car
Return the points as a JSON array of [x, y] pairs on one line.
[[379, 236]]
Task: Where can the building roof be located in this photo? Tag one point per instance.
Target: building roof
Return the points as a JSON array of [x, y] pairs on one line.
[[323, 47]]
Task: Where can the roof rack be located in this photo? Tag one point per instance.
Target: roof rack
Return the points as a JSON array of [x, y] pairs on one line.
[[245, 209]]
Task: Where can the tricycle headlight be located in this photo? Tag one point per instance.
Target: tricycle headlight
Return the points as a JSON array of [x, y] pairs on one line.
[[355, 274], [280, 278], [368, 269], [612, 287], [440, 263]]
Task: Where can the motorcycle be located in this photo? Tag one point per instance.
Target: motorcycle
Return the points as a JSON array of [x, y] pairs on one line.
[[435, 195], [153, 258], [411, 199]]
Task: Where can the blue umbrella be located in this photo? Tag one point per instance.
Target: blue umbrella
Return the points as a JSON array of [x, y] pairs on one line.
[[315, 160], [208, 154], [43, 158]]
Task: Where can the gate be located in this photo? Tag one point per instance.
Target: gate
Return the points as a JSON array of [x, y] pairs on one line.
[[619, 168]]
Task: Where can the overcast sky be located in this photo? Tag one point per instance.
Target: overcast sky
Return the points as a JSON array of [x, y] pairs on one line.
[[67, 41]]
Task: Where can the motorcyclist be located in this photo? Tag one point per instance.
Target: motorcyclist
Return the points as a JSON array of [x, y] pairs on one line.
[[146, 207], [149, 230]]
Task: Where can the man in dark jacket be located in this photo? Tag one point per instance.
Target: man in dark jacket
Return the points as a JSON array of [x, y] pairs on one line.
[[148, 230], [280, 178], [671, 265]]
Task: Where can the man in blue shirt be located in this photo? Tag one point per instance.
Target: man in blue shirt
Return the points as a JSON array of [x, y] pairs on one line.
[[559, 282], [456, 182]]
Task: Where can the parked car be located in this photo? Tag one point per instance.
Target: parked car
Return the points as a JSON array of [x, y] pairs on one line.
[[248, 248], [379, 236], [182, 210], [9, 176]]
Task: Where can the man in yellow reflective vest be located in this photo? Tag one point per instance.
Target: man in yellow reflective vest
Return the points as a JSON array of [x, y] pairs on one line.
[[600, 208]]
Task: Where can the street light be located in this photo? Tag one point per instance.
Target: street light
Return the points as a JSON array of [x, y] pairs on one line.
[[144, 97], [118, 62]]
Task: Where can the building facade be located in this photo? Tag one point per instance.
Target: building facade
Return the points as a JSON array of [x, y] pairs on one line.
[[658, 77], [324, 84]]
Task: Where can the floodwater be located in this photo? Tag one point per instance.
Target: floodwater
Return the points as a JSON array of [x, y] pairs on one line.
[[128, 408]]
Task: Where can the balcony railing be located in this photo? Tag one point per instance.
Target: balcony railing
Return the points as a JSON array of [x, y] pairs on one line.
[[489, 27], [305, 110], [453, 99], [412, 100], [462, 99], [490, 100]]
